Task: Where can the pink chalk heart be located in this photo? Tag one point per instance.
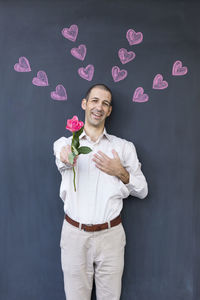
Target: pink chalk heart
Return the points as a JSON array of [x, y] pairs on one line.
[[139, 95], [159, 83], [70, 33], [125, 56], [23, 65], [41, 79], [178, 70], [86, 73], [134, 37], [118, 74], [59, 93], [79, 52]]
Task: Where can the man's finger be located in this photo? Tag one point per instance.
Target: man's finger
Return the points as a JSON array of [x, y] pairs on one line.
[[97, 157], [115, 154], [103, 155]]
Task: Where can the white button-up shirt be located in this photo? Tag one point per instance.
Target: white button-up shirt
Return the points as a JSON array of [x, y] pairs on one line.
[[99, 196]]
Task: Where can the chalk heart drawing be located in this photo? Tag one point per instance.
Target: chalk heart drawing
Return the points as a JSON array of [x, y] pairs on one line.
[[125, 56], [133, 37], [23, 65], [139, 95], [159, 83], [178, 69], [70, 33], [87, 72], [79, 52], [41, 79], [59, 93], [118, 74]]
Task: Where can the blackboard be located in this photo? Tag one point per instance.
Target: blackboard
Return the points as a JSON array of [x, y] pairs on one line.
[[163, 230]]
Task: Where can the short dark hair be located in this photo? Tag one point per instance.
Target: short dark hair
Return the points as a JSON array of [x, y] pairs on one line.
[[101, 86]]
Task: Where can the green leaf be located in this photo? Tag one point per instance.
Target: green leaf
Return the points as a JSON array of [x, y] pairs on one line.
[[75, 142], [74, 150], [71, 158], [84, 150], [77, 133]]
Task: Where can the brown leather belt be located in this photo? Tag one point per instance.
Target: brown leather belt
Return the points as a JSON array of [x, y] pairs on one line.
[[94, 227]]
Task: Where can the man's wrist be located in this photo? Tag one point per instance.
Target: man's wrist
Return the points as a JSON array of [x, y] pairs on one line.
[[123, 175]]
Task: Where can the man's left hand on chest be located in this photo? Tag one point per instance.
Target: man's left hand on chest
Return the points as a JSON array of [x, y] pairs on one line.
[[111, 166]]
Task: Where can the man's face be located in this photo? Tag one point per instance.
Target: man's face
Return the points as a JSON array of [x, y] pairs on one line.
[[97, 108]]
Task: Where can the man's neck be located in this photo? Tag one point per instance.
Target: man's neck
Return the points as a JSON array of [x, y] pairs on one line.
[[93, 132]]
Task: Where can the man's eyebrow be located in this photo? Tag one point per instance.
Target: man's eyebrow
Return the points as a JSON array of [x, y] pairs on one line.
[[98, 99]]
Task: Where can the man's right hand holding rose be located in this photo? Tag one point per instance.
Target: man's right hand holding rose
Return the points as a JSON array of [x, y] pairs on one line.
[[64, 155]]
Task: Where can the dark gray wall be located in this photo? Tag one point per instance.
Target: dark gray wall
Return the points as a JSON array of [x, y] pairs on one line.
[[162, 252]]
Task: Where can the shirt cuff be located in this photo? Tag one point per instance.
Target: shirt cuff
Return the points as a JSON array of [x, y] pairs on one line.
[[62, 165], [137, 186], [132, 183]]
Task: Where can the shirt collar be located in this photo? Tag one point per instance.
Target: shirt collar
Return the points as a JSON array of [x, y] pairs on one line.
[[103, 134]]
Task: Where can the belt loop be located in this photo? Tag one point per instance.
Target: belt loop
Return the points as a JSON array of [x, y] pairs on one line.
[[109, 224], [80, 225]]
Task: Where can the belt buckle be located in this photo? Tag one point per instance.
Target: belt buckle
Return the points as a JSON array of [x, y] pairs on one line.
[[87, 225]]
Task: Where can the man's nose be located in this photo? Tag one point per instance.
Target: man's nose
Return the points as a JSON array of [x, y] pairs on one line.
[[99, 105]]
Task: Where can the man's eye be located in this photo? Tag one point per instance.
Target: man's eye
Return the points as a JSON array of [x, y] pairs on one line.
[[104, 103]]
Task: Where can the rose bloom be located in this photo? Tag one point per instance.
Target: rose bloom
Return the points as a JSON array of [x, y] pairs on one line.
[[74, 124]]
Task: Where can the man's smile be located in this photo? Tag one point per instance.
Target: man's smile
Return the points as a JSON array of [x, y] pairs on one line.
[[97, 115]]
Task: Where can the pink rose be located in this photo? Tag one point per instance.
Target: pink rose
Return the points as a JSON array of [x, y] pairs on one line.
[[76, 127], [74, 124]]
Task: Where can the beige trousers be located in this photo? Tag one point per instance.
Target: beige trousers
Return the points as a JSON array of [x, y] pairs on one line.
[[87, 255]]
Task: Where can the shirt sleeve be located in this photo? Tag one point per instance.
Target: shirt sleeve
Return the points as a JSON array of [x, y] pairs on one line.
[[137, 185], [57, 146]]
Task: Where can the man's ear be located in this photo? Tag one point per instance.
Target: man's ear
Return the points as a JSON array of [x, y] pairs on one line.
[[83, 103], [110, 111]]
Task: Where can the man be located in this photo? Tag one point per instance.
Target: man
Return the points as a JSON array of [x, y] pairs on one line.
[[93, 238]]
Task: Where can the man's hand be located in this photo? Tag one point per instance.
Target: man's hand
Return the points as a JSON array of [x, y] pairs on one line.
[[111, 166], [64, 155]]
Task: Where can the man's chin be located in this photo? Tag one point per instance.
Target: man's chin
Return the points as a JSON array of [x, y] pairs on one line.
[[95, 122], [92, 119]]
